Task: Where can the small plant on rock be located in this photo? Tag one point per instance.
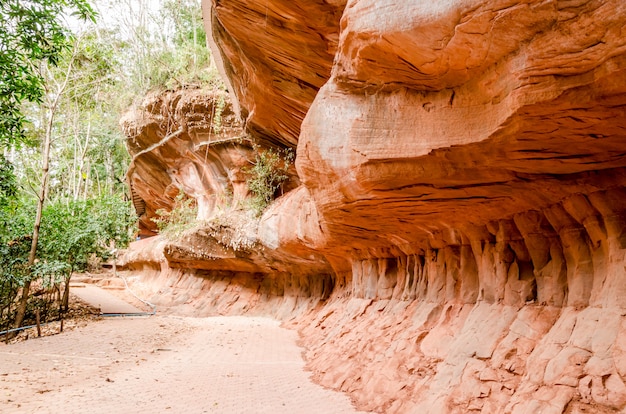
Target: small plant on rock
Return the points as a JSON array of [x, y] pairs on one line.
[[267, 175], [172, 224], [218, 109]]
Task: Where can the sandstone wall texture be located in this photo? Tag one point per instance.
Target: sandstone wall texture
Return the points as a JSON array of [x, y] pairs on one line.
[[457, 241], [190, 141]]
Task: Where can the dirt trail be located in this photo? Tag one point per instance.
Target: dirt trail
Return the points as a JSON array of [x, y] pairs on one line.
[[164, 364]]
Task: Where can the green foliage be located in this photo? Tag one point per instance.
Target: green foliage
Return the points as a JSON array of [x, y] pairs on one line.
[[16, 226], [267, 175], [89, 148], [94, 63], [163, 43], [106, 68], [183, 216], [71, 232], [15, 242], [32, 32], [14, 262], [88, 153], [50, 272], [187, 58], [8, 181]]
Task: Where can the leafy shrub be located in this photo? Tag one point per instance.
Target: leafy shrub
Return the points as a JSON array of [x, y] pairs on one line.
[[72, 232], [8, 181], [172, 224], [267, 175]]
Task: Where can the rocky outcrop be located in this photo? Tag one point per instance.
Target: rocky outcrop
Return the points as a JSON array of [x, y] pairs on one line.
[[525, 315], [459, 233], [192, 287], [511, 124], [286, 47], [190, 141]]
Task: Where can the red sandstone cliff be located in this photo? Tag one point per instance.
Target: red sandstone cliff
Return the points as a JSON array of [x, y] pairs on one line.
[[458, 240]]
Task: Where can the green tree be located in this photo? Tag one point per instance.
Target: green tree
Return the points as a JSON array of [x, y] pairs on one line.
[[88, 149], [163, 42], [31, 33], [60, 193], [74, 231]]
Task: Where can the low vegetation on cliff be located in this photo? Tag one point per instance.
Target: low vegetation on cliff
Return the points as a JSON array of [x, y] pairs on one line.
[[267, 175], [174, 222]]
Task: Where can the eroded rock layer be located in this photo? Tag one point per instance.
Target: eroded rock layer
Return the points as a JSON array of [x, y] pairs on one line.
[[283, 46], [458, 240], [525, 315], [189, 141]]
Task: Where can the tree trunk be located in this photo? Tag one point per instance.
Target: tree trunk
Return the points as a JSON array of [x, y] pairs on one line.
[[65, 302], [81, 164], [114, 254], [43, 192], [41, 197], [21, 306]]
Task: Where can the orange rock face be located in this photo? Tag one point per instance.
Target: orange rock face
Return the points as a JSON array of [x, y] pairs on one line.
[[462, 208], [441, 116], [189, 141], [285, 47]]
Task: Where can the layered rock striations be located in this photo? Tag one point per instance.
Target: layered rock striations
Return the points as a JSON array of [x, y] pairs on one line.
[[452, 115], [458, 240], [285, 47], [186, 141], [190, 143]]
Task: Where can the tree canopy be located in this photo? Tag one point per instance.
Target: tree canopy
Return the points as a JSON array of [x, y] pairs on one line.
[[31, 32]]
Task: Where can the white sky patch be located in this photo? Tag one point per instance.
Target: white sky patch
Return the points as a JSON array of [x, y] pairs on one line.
[[127, 17]]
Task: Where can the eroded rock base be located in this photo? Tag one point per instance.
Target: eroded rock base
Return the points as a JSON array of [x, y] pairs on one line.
[[526, 314]]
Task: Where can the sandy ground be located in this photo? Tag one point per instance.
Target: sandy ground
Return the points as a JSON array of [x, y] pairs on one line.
[[164, 364]]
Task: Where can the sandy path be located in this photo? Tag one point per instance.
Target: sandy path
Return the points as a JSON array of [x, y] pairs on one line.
[[103, 300], [164, 365]]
